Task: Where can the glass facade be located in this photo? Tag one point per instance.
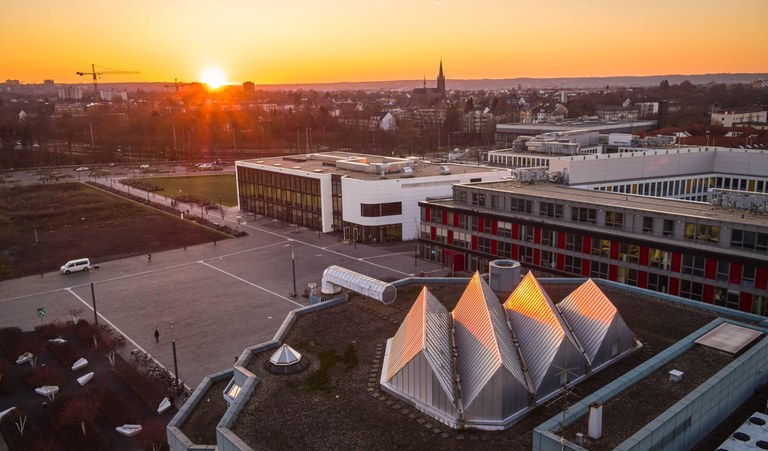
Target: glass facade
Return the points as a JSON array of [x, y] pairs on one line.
[[289, 198]]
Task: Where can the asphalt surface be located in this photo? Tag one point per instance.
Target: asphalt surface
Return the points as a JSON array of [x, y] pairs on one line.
[[213, 300]]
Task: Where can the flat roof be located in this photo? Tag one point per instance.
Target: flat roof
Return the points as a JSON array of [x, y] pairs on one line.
[[312, 163], [568, 126], [622, 200], [354, 408]]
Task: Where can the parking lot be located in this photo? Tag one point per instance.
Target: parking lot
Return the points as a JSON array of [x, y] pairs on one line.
[[214, 300]]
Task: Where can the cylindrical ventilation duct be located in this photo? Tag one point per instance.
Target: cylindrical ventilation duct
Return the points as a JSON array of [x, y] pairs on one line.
[[336, 277]]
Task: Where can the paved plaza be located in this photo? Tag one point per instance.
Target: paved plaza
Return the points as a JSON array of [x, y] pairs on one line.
[[214, 300]]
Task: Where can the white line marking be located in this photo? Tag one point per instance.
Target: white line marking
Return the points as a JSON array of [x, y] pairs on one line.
[[252, 284]]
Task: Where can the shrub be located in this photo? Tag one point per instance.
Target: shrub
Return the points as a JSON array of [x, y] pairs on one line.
[[10, 337], [141, 385], [65, 353], [44, 375], [114, 406], [73, 436], [54, 329], [32, 438], [153, 436], [85, 331]]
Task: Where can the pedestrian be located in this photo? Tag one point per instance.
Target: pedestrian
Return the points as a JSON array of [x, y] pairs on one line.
[[157, 336], [214, 241], [149, 258]]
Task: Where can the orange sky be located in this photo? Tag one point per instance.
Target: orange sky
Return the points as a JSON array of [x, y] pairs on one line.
[[305, 41]]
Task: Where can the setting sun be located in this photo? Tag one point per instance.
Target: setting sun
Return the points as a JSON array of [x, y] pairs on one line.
[[213, 77]]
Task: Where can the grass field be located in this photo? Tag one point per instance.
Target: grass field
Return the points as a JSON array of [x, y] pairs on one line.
[[44, 226], [207, 187]]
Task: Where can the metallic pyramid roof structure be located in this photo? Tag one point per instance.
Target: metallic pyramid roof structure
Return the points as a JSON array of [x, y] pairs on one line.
[[486, 365]]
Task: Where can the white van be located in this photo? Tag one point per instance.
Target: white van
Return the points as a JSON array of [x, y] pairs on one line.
[[81, 264]]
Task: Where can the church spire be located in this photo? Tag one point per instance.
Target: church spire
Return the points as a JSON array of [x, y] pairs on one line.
[[441, 80]]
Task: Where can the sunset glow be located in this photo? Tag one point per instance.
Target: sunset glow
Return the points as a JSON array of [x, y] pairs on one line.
[[213, 77], [306, 41]]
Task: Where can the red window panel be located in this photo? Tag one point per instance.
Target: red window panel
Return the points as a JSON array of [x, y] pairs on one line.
[[761, 278], [709, 294], [445, 217], [515, 232], [481, 223], [561, 240], [735, 273], [585, 262], [561, 262], [642, 279], [586, 246], [450, 237], [643, 256], [494, 226], [710, 268], [677, 259], [433, 233], [515, 251], [456, 220], [537, 257], [614, 251], [613, 272], [494, 247], [474, 243], [674, 286], [537, 235], [427, 214], [745, 302]]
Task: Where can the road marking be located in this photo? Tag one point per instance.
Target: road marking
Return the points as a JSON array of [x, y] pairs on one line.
[[252, 284], [135, 345]]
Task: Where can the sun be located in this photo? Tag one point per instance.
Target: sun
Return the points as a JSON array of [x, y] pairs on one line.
[[214, 77]]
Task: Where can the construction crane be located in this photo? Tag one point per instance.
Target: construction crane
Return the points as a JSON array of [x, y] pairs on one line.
[[97, 74]]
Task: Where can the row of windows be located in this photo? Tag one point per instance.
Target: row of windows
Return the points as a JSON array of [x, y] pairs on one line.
[[279, 180], [686, 188], [691, 265], [691, 288], [749, 240], [385, 209]]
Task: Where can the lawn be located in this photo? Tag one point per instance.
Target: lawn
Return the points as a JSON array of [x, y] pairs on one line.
[[207, 187]]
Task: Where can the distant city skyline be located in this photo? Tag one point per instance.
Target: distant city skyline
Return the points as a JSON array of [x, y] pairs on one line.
[[343, 40]]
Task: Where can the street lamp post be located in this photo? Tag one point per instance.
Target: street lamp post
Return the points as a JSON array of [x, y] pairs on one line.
[[221, 210], [293, 269], [175, 362]]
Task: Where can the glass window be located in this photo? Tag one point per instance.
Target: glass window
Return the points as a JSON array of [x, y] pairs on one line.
[[669, 227], [598, 270], [601, 247], [614, 219], [582, 214], [693, 265], [573, 242], [647, 224]]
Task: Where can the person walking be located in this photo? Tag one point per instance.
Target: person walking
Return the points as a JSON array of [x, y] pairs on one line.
[[149, 258], [157, 336]]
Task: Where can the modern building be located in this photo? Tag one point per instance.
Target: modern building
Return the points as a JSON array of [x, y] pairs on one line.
[[364, 198], [736, 117], [506, 134], [715, 254]]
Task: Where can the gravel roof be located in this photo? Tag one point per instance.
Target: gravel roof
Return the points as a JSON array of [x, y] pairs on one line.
[[342, 405]]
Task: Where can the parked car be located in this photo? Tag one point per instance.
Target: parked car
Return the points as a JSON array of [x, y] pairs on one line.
[[144, 166], [204, 166], [82, 168]]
